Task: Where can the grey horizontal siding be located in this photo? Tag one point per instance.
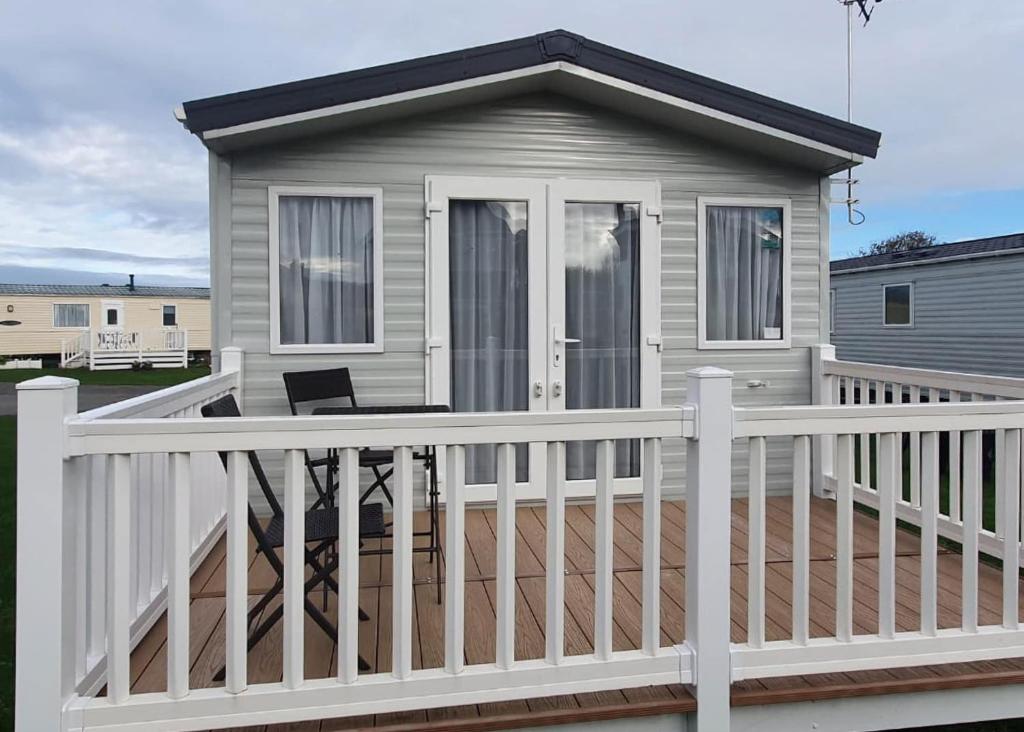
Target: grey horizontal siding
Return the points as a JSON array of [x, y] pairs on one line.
[[968, 316], [537, 136]]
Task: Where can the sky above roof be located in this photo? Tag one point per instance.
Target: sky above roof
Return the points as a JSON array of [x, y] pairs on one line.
[[97, 176]]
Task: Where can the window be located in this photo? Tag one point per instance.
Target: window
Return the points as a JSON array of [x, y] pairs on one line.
[[111, 317], [170, 316], [70, 315], [832, 311], [326, 286], [898, 305], [743, 273]]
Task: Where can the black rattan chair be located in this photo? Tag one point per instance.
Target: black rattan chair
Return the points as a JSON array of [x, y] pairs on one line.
[[327, 385], [321, 533]]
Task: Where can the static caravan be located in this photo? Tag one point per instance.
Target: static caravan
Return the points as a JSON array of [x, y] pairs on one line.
[[951, 307], [104, 326], [604, 465]]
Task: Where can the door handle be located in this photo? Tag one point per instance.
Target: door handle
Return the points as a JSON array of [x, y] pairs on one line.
[[559, 341]]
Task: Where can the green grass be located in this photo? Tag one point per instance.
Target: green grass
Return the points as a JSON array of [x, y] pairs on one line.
[[152, 377], [7, 543]]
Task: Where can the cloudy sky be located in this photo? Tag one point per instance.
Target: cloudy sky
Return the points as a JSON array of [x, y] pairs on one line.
[[96, 176]]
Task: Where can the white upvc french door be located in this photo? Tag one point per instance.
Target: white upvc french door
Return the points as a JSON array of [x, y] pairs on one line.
[[543, 295]]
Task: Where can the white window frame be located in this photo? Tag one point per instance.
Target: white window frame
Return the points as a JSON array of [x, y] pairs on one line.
[[910, 287], [833, 310], [274, 194], [703, 343], [53, 316], [169, 305], [117, 305]]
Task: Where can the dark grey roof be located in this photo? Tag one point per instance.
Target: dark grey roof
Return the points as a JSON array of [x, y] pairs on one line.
[[972, 247], [302, 96], [106, 291]]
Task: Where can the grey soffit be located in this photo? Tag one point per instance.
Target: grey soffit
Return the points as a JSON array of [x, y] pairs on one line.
[[295, 97], [991, 246], [202, 293]]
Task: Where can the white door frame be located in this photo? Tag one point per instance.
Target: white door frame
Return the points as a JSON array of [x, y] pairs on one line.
[[117, 305], [545, 200]]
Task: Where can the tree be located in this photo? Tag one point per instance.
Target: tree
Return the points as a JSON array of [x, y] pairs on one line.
[[902, 242]]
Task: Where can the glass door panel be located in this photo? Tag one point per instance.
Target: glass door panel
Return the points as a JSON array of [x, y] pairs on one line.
[[488, 268], [602, 323]]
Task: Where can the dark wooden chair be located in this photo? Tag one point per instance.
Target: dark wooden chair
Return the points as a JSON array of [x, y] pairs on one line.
[[321, 533]]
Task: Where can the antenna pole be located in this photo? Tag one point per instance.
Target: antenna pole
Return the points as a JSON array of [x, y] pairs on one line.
[[849, 102]]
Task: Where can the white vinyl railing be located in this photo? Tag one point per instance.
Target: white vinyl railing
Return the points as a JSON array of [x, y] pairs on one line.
[[883, 424], [846, 383], [52, 690], [67, 557]]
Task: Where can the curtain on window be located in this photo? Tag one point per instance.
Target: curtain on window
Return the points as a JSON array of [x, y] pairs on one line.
[[744, 273], [488, 295], [66, 315], [602, 311], [326, 269]]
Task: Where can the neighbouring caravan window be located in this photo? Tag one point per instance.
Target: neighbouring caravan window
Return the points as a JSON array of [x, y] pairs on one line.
[[898, 305], [832, 309], [68, 315], [170, 315], [326, 261], [743, 273]]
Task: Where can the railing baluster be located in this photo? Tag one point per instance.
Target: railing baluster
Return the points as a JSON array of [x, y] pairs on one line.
[[237, 551], [972, 522], [604, 542], [1011, 526], [955, 447], [755, 543], [929, 531], [402, 528], [348, 565], [119, 610], [178, 549], [455, 559], [294, 567], [865, 440], [915, 454], [651, 627], [888, 486], [554, 625], [844, 538], [897, 399], [801, 536], [98, 487], [506, 563], [1000, 478]]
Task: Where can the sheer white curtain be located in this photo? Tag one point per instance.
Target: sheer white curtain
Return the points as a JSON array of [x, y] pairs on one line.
[[602, 311], [326, 269], [744, 273], [488, 294]]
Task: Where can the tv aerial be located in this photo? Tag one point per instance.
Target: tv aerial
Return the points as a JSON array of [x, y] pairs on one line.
[[855, 10]]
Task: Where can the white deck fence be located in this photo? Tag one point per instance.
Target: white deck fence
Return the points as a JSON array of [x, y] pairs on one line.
[[76, 607], [114, 349]]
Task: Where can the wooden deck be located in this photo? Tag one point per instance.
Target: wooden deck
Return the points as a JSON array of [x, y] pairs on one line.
[[148, 662]]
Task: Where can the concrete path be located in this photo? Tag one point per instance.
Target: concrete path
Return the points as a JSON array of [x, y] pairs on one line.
[[90, 396]]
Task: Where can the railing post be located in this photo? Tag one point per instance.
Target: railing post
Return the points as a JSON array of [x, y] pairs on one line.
[[45, 592], [708, 532], [821, 393], [232, 358]]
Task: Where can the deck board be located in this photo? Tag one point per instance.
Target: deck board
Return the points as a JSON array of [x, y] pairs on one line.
[[148, 662]]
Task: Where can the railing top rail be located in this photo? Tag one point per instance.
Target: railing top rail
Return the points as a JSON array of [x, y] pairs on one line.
[[1004, 386], [164, 402], [113, 436], [876, 419]]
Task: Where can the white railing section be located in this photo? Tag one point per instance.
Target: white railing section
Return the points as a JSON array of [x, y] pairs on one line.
[[848, 383], [882, 424], [74, 349], [71, 507], [124, 437]]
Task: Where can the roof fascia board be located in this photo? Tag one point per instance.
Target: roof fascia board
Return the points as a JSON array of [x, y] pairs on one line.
[[553, 67], [923, 262]]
